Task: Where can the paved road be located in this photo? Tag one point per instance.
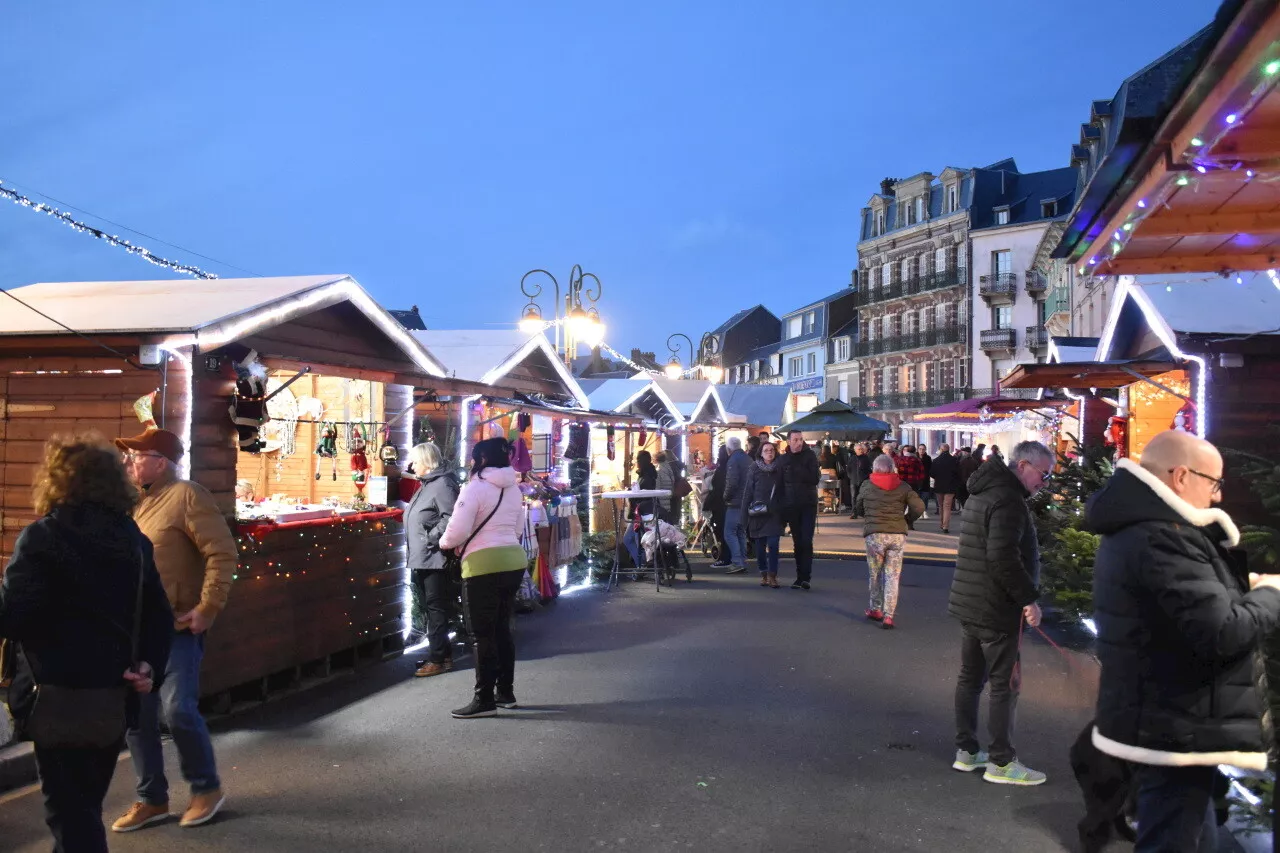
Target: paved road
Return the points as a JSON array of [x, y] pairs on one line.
[[717, 716]]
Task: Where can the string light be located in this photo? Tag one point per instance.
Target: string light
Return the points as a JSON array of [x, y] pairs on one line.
[[119, 242]]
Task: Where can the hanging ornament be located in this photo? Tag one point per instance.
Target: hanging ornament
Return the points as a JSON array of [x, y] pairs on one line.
[[609, 447], [327, 447], [144, 408], [248, 408], [1115, 435], [359, 461], [1184, 420], [388, 453]]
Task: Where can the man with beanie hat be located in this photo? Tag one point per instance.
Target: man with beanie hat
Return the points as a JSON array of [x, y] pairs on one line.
[[195, 554]]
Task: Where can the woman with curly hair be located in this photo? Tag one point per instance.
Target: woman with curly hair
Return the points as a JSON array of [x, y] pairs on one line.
[[69, 598]]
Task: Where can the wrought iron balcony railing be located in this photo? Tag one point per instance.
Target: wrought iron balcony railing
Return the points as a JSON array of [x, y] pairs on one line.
[[874, 294], [1037, 337], [998, 339], [912, 399], [999, 285], [911, 341], [1036, 282]]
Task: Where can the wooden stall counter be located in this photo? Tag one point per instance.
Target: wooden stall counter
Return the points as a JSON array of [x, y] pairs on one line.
[[306, 590]]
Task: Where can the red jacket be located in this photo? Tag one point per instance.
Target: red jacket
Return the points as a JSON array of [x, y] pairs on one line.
[[911, 470]]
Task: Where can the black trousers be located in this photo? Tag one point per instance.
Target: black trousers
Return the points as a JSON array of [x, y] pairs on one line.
[[717, 524], [439, 592], [1175, 810], [846, 492], [75, 782], [988, 657], [803, 522], [489, 603]]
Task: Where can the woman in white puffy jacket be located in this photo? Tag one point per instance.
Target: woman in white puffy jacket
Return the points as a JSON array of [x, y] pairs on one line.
[[486, 526]]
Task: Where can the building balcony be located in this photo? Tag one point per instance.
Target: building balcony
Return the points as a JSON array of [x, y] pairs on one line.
[[999, 287], [1035, 283], [937, 336], [995, 340], [911, 400], [1059, 301], [875, 294], [1037, 338]]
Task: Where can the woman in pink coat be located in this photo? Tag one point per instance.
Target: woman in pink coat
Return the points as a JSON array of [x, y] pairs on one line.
[[485, 527]]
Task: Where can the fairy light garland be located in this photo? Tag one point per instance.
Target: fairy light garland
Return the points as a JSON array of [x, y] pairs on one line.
[[1200, 164], [119, 242]]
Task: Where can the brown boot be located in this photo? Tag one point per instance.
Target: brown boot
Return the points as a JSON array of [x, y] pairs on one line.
[[773, 580], [140, 815], [431, 668]]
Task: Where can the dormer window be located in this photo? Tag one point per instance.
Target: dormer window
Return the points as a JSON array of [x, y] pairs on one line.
[[953, 198], [1002, 215], [879, 223], [1048, 208], [920, 209]]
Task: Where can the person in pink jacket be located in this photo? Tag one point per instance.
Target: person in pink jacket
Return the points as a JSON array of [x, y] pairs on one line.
[[485, 527]]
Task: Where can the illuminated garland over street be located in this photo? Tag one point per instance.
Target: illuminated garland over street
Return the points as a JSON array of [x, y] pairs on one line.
[[72, 222]]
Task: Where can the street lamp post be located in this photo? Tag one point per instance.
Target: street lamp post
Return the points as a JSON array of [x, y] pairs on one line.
[[672, 369], [579, 324]]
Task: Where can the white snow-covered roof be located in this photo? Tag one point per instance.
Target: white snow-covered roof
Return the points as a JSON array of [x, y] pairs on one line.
[[758, 405], [487, 355], [1211, 304], [207, 312], [169, 305], [609, 395]]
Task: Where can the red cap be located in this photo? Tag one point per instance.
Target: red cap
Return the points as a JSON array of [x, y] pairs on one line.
[[160, 441]]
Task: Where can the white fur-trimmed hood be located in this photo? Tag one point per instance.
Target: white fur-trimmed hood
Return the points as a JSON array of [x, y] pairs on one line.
[[1193, 516]]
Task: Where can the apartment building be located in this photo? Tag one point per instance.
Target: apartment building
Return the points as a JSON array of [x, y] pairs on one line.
[[803, 349]]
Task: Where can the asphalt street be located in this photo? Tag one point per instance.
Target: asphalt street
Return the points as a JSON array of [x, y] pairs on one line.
[[712, 716]]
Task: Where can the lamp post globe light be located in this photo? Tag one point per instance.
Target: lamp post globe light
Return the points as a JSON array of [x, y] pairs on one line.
[[673, 369], [574, 324], [708, 349]]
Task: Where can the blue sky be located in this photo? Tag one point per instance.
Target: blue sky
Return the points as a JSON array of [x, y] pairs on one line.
[[698, 155]]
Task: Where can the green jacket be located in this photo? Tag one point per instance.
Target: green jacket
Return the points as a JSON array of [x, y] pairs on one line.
[[887, 504]]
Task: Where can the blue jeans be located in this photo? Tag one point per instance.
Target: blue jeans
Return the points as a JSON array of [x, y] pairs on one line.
[[767, 554], [1175, 809], [178, 701], [631, 541], [735, 536]]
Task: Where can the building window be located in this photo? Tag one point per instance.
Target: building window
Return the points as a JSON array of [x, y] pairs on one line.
[[1002, 216], [886, 325], [794, 327], [1048, 209], [940, 260], [952, 199], [962, 374], [810, 322], [906, 269], [924, 319], [795, 366], [1002, 262], [879, 223], [886, 275], [812, 364], [940, 315], [843, 393], [842, 349], [1002, 317], [920, 209]]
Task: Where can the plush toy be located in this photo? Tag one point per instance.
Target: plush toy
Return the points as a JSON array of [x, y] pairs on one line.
[[249, 404], [359, 461], [1117, 430]]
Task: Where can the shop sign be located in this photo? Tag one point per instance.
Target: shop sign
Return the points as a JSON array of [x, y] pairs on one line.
[[814, 384]]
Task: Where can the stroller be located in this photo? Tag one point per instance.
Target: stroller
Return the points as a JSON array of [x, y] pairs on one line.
[[704, 537]]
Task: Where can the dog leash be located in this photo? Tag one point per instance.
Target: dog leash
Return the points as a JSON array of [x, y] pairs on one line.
[[1065, 654]]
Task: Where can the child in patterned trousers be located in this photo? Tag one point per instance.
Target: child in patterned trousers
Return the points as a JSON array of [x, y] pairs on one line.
[[884, 563]]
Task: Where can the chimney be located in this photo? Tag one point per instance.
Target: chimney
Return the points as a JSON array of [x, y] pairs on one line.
[[886, 186]]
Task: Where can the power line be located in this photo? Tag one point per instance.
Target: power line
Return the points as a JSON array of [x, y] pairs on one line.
[[93, 341]]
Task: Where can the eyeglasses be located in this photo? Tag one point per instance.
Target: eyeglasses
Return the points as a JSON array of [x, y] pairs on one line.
[[133, 456], [1044, 475], [1218, 482]]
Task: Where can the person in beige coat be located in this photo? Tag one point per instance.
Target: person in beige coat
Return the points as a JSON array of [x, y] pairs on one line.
[[195, 555]]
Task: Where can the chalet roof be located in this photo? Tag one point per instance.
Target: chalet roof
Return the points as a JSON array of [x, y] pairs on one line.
[[211, 311], [1206, 304], [760, 405], [487, 355]]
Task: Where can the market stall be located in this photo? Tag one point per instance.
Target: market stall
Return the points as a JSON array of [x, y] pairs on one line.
[[297, 389], [994, 421]]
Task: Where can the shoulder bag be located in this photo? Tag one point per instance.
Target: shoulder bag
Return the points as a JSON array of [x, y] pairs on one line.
[[759, 508], [84, 717], [453, 559]]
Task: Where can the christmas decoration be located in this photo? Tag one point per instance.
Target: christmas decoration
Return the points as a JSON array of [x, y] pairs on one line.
[[327, 447], [249, 404], [359, 461], [68, 219], [1185, 419], [144, 408], [1115, 436]]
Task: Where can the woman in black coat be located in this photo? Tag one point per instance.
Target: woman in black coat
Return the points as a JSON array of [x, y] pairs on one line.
[[69, 598], [715, 507], [646, 480], [764, 487], [434, 590]]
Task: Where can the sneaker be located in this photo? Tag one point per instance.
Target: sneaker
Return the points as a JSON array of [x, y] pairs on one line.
[[887, 624], [967, 762], [736, 570], [874, 615], [476, 709], [506, 700], [925, 516], [141, 815], [1013, 773], [203, 807], [431, 668], [797, 585], [804, 584], [721, 564]]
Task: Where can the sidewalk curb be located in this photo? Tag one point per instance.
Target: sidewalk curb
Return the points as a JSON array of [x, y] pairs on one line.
[[944, 562], [17, 766]]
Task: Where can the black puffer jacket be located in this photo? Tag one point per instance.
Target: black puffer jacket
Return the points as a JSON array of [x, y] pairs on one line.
[[998, 564], [68, 597], [1177, 632], [800, 476], [763, 486], [426, 518]]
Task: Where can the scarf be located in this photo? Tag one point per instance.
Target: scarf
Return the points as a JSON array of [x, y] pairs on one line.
[[770, 467]]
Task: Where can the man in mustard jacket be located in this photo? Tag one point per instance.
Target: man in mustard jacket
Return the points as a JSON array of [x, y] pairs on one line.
[[196, 556]]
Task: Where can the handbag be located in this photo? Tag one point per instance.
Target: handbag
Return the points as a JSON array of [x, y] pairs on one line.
[[83, 717], [762, 507], [453, 559]]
